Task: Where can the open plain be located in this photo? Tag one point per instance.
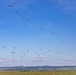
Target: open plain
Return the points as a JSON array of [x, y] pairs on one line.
[[38, 73]]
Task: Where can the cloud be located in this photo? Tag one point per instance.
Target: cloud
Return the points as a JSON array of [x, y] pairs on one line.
[[37, 60], [8, 60], [22, 4], [67, 5], [42, 58], [66, 60]]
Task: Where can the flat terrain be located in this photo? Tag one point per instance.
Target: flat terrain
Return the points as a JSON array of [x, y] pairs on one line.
[[38, 73]]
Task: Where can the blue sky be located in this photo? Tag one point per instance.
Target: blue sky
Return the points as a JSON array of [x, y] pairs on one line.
[[37, 32]]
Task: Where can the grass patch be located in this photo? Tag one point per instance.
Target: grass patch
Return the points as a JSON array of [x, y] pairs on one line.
[[38, 73]]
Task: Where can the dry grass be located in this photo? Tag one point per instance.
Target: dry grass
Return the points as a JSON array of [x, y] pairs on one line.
[[38, 73]]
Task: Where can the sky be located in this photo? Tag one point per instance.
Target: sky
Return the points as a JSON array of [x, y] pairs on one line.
[[37, 32]]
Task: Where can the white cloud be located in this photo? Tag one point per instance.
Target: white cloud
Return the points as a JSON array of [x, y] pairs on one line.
[[8, 60], [67, 5], [41, 57], [21, 4], [66, 60]]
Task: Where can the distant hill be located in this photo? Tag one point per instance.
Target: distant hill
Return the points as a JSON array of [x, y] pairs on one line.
[[37, 68]]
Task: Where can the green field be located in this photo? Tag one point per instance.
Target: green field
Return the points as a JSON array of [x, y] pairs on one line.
[[38, 73]]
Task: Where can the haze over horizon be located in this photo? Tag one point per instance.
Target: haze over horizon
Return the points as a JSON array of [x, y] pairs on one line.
[[37, 32]]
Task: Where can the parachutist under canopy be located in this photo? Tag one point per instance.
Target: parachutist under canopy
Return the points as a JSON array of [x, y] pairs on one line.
[[11, 5]]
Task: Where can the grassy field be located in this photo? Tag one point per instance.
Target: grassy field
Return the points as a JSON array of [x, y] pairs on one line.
[[38, 73]]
